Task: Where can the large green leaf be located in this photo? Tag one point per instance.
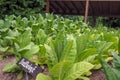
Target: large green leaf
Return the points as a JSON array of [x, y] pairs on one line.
[[107, 46], [91, 58], [59, 70], [33, 49], [59, 44], [26, 48], [51, 55], [40, 37], [108, 71], [12, 33], [42, 54], [69, 53], [3, 49], [41, 76], [81, 41], [117, 73], [77, 70], [11, 67], [86, 53], [116, 61], [24, 39], [112, 73], [103, 46], [30, 53]]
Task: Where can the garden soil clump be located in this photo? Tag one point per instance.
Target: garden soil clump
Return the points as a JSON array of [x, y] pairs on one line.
[[96, 74]]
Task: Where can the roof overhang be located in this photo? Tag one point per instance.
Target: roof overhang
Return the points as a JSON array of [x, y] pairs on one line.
[[110, 8]]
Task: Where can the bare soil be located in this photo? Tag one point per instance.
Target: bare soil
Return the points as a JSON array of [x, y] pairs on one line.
[[96, 74], [9, 76]]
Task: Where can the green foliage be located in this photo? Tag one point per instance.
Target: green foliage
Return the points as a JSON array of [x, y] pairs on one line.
[[58, 71], [111, 22], [1, 57], [69, 52], [63, 44], [40, 37], [116, 61], [43, 77], [20, 75], [24, 39], [67, 71], [11, 67], [77, 70], [61, 50], [24, 47], [112, 73], [21, 7], [108, 71], [119, 45]]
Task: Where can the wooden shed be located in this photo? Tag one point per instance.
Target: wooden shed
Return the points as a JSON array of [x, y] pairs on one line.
[[109, 8]]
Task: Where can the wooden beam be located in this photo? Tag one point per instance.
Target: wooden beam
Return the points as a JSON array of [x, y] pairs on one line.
[[54, 7], [75, 6], [69, 10], [86, 11], [47, 6], [60, 6]]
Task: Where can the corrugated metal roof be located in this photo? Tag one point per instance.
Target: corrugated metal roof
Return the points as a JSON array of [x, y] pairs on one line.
[[110, 8]]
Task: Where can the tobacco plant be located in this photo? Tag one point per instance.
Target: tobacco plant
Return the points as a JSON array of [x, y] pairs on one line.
[[67, 71], [112, 73], [58, 42]]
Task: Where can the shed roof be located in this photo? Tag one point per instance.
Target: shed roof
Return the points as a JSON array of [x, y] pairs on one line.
[[110, 8]]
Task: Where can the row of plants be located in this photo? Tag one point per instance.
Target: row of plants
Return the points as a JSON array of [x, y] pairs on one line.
[[69, 48]]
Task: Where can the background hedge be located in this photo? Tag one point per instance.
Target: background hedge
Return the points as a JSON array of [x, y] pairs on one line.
[[21, 7]]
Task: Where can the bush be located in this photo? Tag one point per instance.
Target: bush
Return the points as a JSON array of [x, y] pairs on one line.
[[21, 7]]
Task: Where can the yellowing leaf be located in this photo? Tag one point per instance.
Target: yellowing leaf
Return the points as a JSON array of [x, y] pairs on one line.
[[77, 70], [42, 77]]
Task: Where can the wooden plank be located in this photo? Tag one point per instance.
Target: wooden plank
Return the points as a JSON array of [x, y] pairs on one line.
[[75, 6]]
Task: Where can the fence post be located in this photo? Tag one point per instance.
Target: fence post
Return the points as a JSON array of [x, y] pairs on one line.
[[86, 11]]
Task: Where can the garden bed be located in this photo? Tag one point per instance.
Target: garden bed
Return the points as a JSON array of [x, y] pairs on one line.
[[96, 74]]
